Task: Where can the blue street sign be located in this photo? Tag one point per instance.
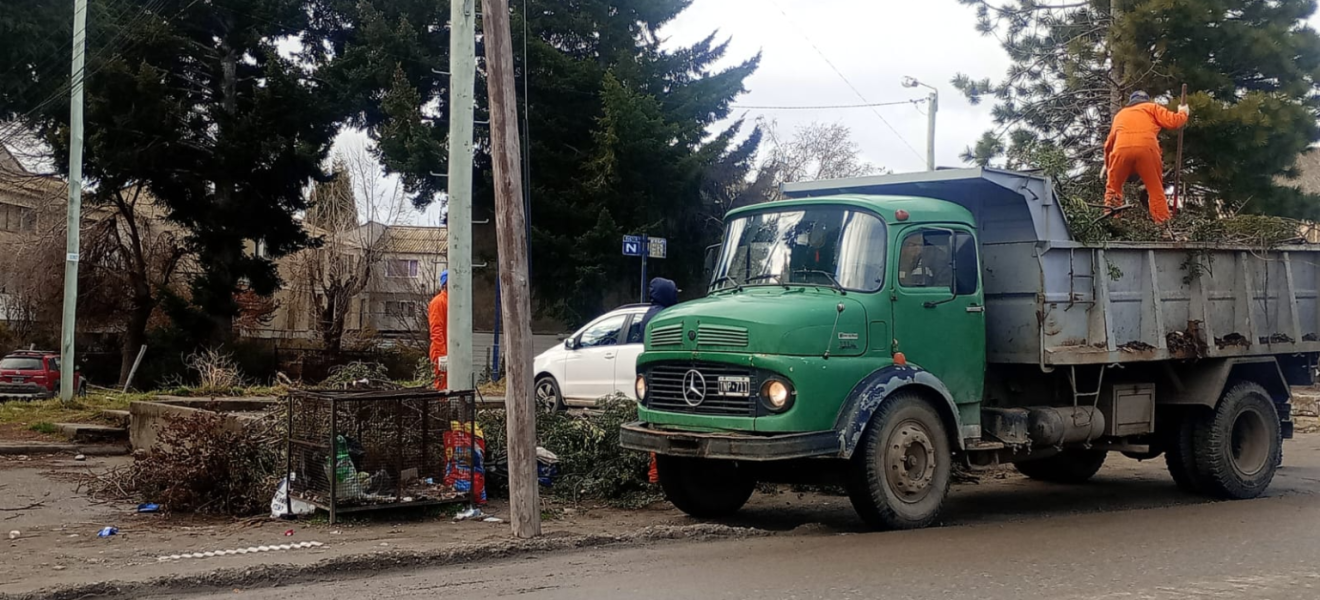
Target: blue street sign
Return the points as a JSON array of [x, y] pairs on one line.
[[632, 245], [657, 247]]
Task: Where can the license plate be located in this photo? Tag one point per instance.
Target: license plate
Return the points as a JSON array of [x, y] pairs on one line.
[[17, 379], [735, 386]]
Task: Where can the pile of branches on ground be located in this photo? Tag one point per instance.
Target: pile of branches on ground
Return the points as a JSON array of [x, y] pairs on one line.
[[203, 463], [591, 468]]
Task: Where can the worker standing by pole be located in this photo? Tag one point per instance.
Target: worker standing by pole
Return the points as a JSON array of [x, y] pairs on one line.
[[69, 324], [462, 83], [511, 226], [437, 319]]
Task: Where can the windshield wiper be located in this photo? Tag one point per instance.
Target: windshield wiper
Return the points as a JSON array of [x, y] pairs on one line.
[[722, 280], [776, 276], [833, 282]]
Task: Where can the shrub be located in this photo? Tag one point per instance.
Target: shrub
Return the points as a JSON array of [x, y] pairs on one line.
[[204, 464], [592, 466]]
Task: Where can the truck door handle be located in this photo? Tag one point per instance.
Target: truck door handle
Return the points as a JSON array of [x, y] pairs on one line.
[[609, 356], [975, 309]]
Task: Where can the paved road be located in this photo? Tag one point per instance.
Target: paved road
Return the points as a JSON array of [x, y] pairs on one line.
[[1028, 542]]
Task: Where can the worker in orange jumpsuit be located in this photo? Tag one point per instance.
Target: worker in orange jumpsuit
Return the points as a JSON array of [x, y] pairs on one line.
[[1134, 147], [437, 317]]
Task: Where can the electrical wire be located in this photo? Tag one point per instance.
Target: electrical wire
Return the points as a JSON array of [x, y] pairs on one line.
[[831, 106], [846, 80]]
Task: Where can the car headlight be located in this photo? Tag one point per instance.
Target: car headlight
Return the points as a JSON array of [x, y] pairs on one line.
[[777, 395], [641, 387]]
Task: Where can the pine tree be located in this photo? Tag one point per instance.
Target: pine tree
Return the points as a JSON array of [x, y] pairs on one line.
[[1251, 66], [618, 130], [196, 102]]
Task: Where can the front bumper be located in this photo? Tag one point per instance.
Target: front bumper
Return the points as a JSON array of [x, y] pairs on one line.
[[729, 446], [24, 391]]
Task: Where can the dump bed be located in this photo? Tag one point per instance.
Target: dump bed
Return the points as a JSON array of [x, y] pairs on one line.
[[1053, 301]]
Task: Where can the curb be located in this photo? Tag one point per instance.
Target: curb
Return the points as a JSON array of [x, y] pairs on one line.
[[363, 565], [35, 448]]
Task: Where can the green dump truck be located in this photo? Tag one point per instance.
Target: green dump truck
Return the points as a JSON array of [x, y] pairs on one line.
[[873, 331]]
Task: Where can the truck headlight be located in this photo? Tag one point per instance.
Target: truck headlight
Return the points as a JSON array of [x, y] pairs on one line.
[[777, 395], [640, 388]]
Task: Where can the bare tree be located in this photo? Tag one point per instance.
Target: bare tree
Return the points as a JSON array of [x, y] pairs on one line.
[[814, 151], [340, 267]]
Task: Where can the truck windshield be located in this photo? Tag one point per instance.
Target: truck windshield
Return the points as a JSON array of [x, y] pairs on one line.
[[827, 246]]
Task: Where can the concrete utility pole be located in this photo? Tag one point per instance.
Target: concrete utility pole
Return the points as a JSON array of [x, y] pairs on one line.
[[930, 123], [72, 242], [462, 83], [511, 226]]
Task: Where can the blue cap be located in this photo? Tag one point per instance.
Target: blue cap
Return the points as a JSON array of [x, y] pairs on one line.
[[444, 278], [1138, 97]]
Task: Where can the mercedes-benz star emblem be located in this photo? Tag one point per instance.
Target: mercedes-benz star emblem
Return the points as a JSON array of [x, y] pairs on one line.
[[694, 388]]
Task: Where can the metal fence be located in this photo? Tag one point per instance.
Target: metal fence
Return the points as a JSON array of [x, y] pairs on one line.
[[354, 451]]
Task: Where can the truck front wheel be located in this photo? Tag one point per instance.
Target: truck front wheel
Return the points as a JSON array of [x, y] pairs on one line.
[[704, 488], [1238, 448], [1069, 466], [900, 471]]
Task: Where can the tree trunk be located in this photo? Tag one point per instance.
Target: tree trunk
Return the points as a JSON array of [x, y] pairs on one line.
[[1116, 99], [135, 333]]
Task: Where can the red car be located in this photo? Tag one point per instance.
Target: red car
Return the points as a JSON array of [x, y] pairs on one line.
[[34, 374]]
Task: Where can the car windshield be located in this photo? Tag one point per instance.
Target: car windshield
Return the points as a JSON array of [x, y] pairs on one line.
[[20, 363], [828, 246]]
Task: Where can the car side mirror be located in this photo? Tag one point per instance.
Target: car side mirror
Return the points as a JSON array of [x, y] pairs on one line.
[[570, 343]]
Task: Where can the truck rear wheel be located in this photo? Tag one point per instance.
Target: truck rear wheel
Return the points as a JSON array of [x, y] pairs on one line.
[[900, 471], [1068, 466], [1179, 455], [1237, 448], [704, 488]]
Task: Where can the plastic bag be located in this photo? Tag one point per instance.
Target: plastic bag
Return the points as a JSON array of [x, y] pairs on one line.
[[284, 504], [546, 466], [465, 452], [348, 485]]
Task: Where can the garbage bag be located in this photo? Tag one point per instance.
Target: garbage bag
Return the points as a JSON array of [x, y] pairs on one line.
[[284, 504]]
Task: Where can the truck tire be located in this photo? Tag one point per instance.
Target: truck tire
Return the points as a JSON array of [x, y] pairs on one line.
[[1068, 466], [1237, 448], [899, 474], [1179, 455], [704, 488]]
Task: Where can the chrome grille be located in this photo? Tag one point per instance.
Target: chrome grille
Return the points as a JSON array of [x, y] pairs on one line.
[[664, 390], [669, 335], [719, 335]]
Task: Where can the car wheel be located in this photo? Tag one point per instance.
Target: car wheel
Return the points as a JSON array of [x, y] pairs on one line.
[[548, 396]]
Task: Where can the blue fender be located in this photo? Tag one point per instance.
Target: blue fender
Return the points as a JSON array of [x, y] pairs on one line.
[[872, 391]]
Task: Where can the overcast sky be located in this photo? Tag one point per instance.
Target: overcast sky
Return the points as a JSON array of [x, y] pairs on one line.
[[873, 44]]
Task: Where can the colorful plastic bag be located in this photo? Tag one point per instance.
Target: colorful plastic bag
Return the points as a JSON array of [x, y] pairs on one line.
[[465, 468]]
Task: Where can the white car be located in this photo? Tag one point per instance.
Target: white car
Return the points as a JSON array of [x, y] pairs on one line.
[[598, 361]]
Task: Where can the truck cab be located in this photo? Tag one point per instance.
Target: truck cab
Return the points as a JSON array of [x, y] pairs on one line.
[[844, 339]]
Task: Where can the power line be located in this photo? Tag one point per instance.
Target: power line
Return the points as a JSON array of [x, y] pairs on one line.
[[832, 106], [846, 81]]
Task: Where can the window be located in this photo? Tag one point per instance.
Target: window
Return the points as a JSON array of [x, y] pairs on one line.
[[925, 262], [16, 218], [401, 268], [823, 246], [636, 330], [603, 333], [400, 309], [21, 363]]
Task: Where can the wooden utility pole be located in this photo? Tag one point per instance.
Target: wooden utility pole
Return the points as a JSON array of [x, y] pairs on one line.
[[510, 225]]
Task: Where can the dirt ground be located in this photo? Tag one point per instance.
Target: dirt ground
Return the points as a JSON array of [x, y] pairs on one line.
[[20, 432]]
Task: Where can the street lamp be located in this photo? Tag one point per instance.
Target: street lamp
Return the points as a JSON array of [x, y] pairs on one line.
[[912, 82]]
